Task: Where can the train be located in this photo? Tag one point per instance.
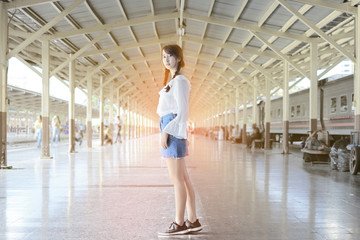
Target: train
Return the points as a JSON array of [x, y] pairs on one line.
[[335, 110]]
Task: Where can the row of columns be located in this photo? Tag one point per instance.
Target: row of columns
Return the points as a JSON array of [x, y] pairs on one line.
[[313, 100], [150, 126]]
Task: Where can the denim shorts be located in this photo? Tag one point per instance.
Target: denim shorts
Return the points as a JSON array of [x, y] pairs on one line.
[[177, 148]]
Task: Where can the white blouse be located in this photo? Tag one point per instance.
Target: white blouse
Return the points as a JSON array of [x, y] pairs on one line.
[[176, 101]]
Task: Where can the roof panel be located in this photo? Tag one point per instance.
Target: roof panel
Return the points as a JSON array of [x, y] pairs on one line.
[[136, 8], [226, 9], [253, 11], [198, 7], [166, 28], [109, 11], [216, 32], [194, 28], [238, 36], [144, 32], [123, 36], [164, 6]]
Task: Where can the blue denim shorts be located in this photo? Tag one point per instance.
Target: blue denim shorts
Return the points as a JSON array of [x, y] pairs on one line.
[[177, 148]]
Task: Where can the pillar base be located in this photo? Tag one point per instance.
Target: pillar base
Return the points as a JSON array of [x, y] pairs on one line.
[[6, 167], [46, 157], [285, 138]]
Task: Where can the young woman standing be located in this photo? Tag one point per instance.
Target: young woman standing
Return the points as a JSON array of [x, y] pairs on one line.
[[173, 109]]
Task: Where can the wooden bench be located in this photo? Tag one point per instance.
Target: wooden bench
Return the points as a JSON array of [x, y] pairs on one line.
[[260, 142], [317, 156]]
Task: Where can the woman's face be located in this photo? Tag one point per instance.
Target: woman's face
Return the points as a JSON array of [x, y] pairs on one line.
[[170, 61]]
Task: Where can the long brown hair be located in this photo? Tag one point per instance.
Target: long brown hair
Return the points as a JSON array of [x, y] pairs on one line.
[[176, 51]]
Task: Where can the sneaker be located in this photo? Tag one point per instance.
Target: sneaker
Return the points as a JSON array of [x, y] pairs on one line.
[[193, 227], [175, 229]]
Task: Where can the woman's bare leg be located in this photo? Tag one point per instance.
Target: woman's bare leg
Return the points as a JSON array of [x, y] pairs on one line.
[[176, 172], [190, 200]]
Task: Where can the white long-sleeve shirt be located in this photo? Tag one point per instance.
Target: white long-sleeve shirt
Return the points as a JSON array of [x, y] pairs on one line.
[[176, 101]]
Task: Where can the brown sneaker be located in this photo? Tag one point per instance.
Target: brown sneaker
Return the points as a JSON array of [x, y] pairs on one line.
[[175, 229], [193, 227]]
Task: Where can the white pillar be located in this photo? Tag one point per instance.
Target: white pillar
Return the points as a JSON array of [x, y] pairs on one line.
[[357, 73], [285, 108], [111, 111], [244, 140], [72, 106], [128, 117], [45, 96], [226, 111], [89, 112], [101, 110], [3, 84], [254, 101], [313, 87], [118, 102], [267, 114]]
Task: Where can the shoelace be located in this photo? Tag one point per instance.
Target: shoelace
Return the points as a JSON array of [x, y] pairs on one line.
[[172, 224]]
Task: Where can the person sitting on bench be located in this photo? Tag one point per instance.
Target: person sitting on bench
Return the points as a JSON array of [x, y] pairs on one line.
[[316, 142], [254, 135]]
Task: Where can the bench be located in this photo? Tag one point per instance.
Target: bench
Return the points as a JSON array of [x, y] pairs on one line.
[[259, 143], [317, 156]]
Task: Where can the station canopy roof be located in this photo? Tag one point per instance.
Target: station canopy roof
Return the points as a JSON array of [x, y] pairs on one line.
[[227, 44], [22, 99]]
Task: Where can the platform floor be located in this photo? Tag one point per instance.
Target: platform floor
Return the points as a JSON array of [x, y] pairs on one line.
[[122, 191]]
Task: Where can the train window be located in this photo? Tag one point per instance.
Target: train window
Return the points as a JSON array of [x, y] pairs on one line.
[[304, 111], [279, 113], [292, 111], [298, 110], [333, 105], [343, 104]]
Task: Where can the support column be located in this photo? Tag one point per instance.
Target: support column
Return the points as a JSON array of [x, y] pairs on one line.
[[357, 74], [89, 112], [111, 112], [254, 102], [118, 105], [218, 119], [135, 116], [267, 114], [72, 106], [3, 84], [226, 111], [286, 106], [128, 117], [45, 100], [313, 87], [244, 140], [237, 102], [101, 111]]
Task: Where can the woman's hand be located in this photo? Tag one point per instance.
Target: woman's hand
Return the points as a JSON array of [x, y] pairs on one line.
[[164, 138]]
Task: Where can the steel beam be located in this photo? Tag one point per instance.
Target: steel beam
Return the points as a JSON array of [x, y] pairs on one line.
[[316, 30]]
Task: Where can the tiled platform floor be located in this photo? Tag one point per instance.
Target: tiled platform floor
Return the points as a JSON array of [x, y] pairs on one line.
[[123, 192]]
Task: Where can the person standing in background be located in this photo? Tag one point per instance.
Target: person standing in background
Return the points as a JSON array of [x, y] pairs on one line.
[[56, 129], [118, 129], [38, 130]]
